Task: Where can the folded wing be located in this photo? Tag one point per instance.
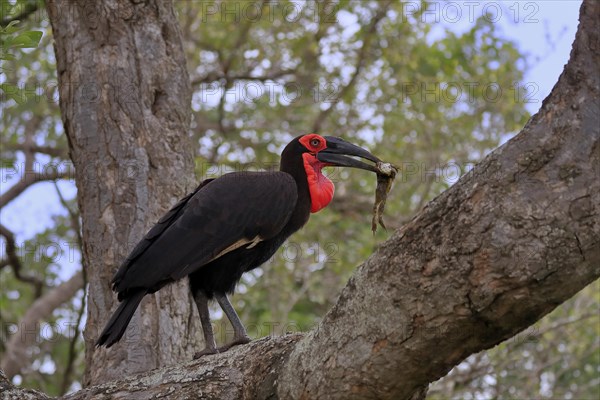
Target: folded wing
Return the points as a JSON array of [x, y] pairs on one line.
[[221, 215]]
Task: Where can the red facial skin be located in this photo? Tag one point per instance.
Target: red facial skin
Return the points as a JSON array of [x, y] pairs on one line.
[[320, 187]]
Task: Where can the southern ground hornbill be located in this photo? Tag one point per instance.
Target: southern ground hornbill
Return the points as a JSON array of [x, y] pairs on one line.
[[228, 226]]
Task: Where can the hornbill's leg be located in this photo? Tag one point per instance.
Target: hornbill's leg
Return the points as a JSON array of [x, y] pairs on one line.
[[209, 338], [239, 332]]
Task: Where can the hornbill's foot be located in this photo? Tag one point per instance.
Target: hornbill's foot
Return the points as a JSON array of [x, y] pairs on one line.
[[205, 352], [235, 342]]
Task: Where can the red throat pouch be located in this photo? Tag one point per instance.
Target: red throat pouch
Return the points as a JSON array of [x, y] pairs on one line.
[[320, 187]]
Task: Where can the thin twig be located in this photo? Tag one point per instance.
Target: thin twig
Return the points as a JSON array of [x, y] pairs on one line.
[[370, 33], [74, 216], [246, 76], [48, 150], [15, 262]]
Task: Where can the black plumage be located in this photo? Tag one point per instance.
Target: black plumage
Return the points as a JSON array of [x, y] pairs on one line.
[[228, 226]]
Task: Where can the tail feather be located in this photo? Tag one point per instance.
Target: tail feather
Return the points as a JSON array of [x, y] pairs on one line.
[[116, 326]]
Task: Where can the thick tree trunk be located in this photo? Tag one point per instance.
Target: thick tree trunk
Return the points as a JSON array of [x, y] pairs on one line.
[[509, 242], [125, 102]]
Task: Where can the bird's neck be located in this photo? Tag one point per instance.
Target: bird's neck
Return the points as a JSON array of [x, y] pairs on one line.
[[321, 189], [314, 188]]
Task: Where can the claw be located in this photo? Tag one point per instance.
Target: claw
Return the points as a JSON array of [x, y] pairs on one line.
[[205, 352], [235, 342]]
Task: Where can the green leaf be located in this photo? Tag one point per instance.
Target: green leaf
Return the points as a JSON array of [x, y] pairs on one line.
[[6, 56], [26, 40], [10, 28], [13, 92]]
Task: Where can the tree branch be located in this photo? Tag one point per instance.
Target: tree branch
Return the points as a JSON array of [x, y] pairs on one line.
[[9, 391], [15, 262], [67, 375], [360, 61], [217, 76], [29, 173], [35, 148], [29, 178], [16, 357], [74, 216], [244, 372], [504, 246]]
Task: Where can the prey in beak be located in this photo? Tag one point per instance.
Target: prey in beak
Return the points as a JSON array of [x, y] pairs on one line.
[[337, 153]]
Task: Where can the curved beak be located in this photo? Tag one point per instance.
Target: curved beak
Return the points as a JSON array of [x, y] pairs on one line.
[[337, 152]]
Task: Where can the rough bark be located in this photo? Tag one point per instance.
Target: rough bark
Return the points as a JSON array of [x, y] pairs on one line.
[[15, 356], [125, 103], [10, 392], [509, 242], [490, 256]]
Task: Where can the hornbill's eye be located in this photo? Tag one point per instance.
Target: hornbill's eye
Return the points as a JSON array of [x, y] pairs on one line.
[[315, 142]]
